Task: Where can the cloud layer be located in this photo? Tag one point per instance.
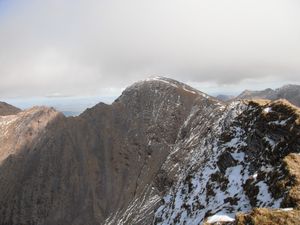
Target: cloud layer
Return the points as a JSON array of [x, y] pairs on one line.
[[98, 47]]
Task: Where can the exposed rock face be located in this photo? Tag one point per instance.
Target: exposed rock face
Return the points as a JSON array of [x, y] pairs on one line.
[[289, 92], [6, 109], [162, 153]]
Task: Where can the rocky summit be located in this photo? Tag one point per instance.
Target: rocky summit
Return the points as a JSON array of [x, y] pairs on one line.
[[162, 153]]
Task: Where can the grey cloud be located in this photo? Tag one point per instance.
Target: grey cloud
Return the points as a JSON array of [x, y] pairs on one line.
[[99, 47]]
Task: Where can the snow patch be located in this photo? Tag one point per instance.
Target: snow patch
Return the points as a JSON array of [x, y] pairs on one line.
[[158, 78], [187, 90], [265, 197], [287, 209], [271, 142], [280, 123], [267, 110], [219, 218], [254, 176], [239, 156], [266, 168], [235, 142]]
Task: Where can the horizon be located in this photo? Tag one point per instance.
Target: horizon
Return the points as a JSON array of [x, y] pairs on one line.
[[74, 105]]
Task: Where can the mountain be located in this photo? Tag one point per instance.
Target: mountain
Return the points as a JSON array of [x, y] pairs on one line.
[[225, 98], [247, 94], [290, 92], [162, 153], [83, 170], [6, 109]]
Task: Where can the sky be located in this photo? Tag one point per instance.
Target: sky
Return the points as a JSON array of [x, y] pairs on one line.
[[61, 48]]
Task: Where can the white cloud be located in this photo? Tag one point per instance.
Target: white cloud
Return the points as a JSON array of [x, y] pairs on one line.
[[87, 47]]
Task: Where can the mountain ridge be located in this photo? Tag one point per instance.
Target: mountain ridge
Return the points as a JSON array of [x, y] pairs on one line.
[[140, 160], [290, 92]]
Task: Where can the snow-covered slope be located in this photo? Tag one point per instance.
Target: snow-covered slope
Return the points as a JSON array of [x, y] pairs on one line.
[[234, 166]]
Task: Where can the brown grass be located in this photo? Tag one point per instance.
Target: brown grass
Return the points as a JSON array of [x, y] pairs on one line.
[[281, 103], [292, 163], [264, 216]]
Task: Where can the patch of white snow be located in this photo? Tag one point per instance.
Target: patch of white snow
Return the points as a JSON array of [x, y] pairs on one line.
[[287, 209], [219, 218], [184, 88], [254, 176], [267, 110]]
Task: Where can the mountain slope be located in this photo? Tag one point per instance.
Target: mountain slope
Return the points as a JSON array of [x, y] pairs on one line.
[[237, 167], [6, 109]]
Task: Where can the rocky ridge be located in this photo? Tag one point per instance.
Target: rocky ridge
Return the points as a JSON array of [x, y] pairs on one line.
[[162, 153], [290, 92], [239, 166]]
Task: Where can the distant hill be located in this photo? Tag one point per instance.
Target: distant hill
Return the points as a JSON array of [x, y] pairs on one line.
[[290, 92], [225, 98], [249, 94], [6, 109]]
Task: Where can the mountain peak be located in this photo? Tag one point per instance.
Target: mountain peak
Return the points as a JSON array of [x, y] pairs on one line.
[[159, 80], [163, 84]]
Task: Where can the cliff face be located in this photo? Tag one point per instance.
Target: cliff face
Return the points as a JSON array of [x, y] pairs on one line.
[[162, 153]]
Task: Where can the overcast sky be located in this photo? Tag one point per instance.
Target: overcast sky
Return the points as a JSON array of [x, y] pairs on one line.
[[98, 47]]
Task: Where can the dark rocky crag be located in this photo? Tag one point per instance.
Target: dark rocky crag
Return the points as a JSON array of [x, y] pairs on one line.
[[162, 153]]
